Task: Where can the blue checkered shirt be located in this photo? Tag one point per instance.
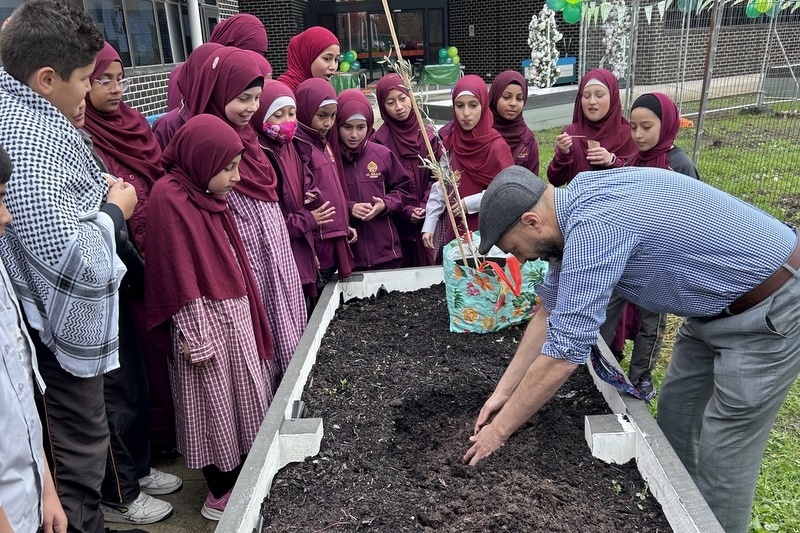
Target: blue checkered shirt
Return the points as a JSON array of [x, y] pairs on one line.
[[663, 241]]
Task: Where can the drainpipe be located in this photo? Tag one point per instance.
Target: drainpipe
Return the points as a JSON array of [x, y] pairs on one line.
[[195, 27]]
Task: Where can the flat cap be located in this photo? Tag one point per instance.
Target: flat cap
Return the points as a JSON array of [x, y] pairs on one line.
[[514, 191]]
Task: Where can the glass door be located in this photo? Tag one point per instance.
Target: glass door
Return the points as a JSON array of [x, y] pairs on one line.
[[420, 33]]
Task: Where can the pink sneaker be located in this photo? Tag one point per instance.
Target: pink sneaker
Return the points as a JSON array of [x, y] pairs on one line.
[[214, 507]]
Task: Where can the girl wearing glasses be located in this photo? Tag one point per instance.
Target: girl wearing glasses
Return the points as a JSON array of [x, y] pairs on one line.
[[122, 137]]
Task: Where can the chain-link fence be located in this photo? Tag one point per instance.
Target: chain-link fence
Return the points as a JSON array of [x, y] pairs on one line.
[[734, 71]]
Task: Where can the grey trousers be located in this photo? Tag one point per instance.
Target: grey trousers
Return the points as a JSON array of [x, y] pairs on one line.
[[724, 386], [646, 346]]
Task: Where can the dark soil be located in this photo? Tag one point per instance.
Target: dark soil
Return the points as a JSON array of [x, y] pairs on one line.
[[399, 395]]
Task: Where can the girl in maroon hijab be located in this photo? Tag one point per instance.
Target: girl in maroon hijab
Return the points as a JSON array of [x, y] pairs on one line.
[[400, 133], [123, 142], [654, 126], [200, 283], [475, 150], [313, 53], [240, 31], [229, 87], [507, 98], [599, 136], [181, 79], [377, 185], [122, 137], [316, 112], [303, 209]]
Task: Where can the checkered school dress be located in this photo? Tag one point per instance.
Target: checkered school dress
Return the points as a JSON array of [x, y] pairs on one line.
[[220, 405], [263, 230]]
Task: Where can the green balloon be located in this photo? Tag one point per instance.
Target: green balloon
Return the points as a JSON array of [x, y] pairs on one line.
[[573, 2], [556, 5], [456, 60], [775, 9], [572, 13], [762, 6], [751, 10], [448, 61], [442, 53], [344, 66], [350, 56], [452, 51]]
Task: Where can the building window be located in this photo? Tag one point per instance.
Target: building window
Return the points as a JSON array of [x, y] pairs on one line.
[[148, 32]]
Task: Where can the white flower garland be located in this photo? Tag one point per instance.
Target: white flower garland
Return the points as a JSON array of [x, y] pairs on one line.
[[542, 38], [616, 31]]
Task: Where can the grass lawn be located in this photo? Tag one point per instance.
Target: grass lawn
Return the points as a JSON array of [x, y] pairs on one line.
[[756, 157]]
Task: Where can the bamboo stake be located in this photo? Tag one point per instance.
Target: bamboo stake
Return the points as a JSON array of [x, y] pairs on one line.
[[404, 75]]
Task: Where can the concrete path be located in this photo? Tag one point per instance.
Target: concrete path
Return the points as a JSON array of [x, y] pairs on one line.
[[187, 503]]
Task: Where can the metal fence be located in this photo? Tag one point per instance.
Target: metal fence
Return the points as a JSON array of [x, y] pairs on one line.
[[735, 77]]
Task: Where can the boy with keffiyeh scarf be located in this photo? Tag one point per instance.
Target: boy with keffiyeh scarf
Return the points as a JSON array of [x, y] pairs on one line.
[[60, 251]]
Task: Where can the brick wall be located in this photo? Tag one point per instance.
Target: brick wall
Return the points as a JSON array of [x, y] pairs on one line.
[[283, 19], [501, 37], [227, 8], [148, 92]]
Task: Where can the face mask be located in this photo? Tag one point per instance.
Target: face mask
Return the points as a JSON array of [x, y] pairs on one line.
[[280, 133]]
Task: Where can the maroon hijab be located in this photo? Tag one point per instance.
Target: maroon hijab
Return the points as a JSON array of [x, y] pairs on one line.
[[303, 49], [125, 134], [291, 174], [613, 132], [666, 110], [481, 153], [242, 31], [352, 102], [511, 130], [194, 231], [310, 95], [263, 64], [184, 75], [224, 76], [406, 135]]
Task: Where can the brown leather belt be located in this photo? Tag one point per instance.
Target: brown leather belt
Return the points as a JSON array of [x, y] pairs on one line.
[[768, 287]]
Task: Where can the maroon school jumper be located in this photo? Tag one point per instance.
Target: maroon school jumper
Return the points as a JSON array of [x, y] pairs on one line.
[[300, 223], [377, 172], [414, 252], [526, 153], [317, 155], [166, 126]]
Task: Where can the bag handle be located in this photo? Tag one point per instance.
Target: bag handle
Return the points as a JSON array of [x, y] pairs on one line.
[[515, 284]]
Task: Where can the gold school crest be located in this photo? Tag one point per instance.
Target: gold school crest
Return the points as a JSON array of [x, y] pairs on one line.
[[372, 170]]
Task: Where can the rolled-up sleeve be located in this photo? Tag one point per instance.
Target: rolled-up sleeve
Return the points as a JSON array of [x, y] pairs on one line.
[[577, 292]]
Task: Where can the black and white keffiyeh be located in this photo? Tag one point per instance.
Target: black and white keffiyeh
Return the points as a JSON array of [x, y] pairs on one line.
[[60, 250]]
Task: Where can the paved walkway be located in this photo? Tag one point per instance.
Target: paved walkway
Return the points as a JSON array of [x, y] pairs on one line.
[[187, 502]]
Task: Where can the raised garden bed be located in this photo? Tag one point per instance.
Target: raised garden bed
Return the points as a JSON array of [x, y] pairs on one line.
[[399, 395], [285, 437]]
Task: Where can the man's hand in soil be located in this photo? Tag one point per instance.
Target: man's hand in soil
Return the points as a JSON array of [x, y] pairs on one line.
[[485, 442], [541, 380], [492, 406]]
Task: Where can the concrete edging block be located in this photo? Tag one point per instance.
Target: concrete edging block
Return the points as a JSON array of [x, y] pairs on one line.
[[611, 438]]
